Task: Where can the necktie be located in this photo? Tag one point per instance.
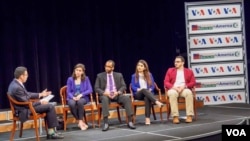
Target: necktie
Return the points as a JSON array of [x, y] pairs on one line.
[[111, 85]]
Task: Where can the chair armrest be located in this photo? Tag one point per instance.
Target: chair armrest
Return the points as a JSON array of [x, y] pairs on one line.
[[158, 90], [29, 104], [22, 103], [34, 100], [91, 98]]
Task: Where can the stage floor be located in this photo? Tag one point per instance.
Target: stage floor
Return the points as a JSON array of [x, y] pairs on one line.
[[210, 119]]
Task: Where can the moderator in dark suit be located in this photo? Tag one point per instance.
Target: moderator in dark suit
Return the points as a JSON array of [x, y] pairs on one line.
[[17, 91]]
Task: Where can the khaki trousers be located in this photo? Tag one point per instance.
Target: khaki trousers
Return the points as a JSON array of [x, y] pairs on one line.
[[173, 96]]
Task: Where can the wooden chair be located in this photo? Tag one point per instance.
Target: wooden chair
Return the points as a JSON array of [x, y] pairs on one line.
[[66, 109], [112, 105], [136, 103], [181, 100], [34, 116]]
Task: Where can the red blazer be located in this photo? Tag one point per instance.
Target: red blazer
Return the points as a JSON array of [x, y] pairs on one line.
[[171, 76]]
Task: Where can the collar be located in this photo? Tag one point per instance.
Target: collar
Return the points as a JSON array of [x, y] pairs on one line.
[[19, 82]]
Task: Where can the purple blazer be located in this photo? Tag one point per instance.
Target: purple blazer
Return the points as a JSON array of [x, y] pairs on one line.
[[85, 88]]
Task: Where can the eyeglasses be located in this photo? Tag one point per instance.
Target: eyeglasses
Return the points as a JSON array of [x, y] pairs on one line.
[[109, 66], [177, 61]]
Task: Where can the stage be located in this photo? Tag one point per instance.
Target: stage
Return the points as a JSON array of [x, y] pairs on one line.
[[207, 127]]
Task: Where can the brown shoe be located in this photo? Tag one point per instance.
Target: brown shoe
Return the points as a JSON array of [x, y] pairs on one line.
[[176, 120], [189, 119]]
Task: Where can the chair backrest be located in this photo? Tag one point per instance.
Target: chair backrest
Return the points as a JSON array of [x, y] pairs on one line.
[[12, 101], [63, 95]]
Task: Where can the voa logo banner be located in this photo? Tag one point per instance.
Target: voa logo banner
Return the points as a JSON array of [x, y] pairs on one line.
[[222, 97], [216, 41], [214, 11], [215, 26], [205, 70], [216, 55], [220, 83]]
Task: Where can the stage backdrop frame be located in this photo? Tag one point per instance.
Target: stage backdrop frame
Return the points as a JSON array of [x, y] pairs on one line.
[[216, 48]]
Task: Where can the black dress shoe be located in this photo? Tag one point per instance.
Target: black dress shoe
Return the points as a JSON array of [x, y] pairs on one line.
[[131, 125], [105, 127], [55, 136]]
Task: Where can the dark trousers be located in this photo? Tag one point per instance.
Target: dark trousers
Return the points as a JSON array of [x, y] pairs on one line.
[[50, 118], [121, 99], [148, 97], [76, 108]]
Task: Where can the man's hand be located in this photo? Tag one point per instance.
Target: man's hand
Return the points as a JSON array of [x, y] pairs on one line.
[[44, 93], [114, 95], [43, 102], [179, 89], [108, 94]]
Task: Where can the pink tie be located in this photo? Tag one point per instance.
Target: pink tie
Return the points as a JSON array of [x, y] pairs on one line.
[[111, 85]]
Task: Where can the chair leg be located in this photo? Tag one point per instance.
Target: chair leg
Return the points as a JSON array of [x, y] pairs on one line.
[[99, 116], [168, 111], [135, 107], [195, 110], [119, 116], [36, 130], [161, 114], [153, 111], [92, 117], [21, 130], [13, 130], [46, 126], [65, 114]]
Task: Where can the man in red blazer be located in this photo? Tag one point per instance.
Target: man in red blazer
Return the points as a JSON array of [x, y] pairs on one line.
[[179, 80]]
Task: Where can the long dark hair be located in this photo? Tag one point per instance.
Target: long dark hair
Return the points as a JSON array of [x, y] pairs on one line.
[[146, 72]]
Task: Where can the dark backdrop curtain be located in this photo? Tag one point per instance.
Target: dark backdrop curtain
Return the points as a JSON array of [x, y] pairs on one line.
[[50, 37]]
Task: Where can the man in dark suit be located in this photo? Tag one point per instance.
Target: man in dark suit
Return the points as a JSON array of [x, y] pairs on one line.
[[110, 86], [17, 91]]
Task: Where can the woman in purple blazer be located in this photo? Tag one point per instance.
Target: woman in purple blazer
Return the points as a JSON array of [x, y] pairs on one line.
[[78, 90]]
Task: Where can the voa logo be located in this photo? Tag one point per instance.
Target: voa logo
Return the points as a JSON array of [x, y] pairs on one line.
[[198, 12], [231, 40], [215, 40], [199, 41], [233, 68], [201, 70], [236, 132], [230, 10], [212, 11]]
